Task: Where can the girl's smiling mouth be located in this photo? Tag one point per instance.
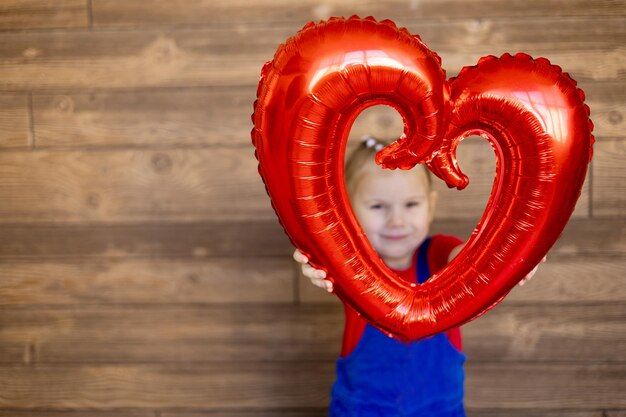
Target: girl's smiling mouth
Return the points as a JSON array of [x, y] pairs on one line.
[[395, 237]]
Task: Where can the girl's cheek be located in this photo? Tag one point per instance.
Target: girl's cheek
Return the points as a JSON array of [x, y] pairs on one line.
[[374, 224]]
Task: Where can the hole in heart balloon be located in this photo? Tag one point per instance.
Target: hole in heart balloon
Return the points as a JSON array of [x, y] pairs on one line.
[[476, 158], [381, 121], [530, 112]]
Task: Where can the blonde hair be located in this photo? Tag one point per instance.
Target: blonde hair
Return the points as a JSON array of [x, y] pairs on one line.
[[364, 153]]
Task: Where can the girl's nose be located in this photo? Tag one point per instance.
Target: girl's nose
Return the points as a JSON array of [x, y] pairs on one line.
[[396, 217]]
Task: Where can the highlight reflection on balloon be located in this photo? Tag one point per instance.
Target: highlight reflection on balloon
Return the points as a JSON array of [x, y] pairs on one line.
[[529, 110]]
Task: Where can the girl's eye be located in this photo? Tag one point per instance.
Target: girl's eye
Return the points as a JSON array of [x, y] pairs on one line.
[[376, 206], [412, 204]]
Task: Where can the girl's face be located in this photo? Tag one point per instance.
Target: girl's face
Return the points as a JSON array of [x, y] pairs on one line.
[[395, 209]]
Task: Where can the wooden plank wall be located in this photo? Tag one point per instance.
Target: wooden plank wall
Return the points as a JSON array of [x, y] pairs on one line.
[[142, 271]]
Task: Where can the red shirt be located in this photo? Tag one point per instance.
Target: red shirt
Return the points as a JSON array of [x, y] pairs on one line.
[[438, 253]]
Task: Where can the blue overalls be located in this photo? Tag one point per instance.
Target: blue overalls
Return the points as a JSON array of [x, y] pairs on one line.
[[383, 377]]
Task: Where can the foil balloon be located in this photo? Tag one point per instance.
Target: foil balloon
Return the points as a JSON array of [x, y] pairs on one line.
[[531, 112]]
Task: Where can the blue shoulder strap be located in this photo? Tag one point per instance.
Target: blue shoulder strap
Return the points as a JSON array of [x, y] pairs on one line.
[[423, 272]]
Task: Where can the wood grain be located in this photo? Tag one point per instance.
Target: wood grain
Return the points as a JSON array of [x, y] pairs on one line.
[[606, 101], [549, 333], [190, 117], [589, 50], [306, 412], [290, 385], [147, 412], [242, 238], [609, 190], [206, 386], [221, 115], [15, 124], [152, 281], [537, 386], [82, 413], [239, 238], [581, 237], [471, 412], [183, 334], [255, 279], [150, 13], [270, 412], [43, 14], [133, 185]]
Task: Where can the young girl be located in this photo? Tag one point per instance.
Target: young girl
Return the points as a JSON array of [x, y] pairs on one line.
[[378, 376]]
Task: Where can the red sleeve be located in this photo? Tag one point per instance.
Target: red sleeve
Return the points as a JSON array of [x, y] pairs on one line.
[[454, 334], [439, 251], [353, 330], [438, 254]]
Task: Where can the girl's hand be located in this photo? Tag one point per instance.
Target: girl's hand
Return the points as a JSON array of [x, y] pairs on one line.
[[530, 274], [317, 276]]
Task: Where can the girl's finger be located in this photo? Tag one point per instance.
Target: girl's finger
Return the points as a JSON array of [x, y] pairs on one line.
[[308, 271], [323, 283], [299, 257], [319, 283], [313, 273]]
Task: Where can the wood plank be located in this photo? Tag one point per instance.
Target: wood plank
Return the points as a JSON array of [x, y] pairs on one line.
[[132, 185], [143, 333], [537, 386], [233, 55], [581, 237], [606, 101], [307, 412], [195, 386], [169, 334], [609, 189], [290, 385], [220, 115], [86, 59], [471, 412], [242, 238], [548, 332], [147, 412], [267, 412], [221, 280], [574, 280], [43, 14], [118, 12], [78, 413], [252, 279], [559, 280], [15, 125], [206, 184], [199, 116]]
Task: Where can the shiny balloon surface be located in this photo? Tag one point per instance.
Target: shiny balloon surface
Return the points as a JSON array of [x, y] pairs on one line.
[[531, 112]]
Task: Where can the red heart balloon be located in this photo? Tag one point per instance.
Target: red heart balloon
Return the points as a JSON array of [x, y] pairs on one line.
[[529, 110]]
